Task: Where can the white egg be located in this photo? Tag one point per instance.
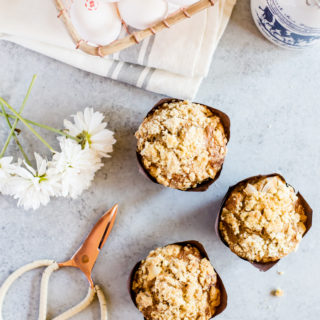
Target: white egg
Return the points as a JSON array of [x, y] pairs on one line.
[[96, 21], [183, 3], [142, 14]]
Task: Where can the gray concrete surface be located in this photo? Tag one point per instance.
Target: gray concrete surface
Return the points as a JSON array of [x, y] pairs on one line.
[[272, 97]]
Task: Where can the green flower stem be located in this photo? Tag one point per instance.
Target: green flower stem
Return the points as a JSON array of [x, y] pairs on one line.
[[27, 125], [60, 132], [28, 92], [17, 119], [43, 126], [15, 137]]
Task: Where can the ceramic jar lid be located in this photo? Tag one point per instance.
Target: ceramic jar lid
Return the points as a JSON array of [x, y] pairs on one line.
[[292, 24]]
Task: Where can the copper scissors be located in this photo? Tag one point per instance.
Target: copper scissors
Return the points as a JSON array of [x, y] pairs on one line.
[[84, 259]]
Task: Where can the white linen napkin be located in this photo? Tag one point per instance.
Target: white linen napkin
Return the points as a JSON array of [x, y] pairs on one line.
[[173, 62]]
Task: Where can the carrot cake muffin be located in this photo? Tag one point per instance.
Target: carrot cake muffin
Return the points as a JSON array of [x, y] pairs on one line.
[[263, 220], [182, 144], [175, 282]]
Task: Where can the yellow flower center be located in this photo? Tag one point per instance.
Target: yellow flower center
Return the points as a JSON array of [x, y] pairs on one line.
[[84, 137]]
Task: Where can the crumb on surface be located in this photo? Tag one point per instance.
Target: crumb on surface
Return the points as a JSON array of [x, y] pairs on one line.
[[278, 292], [263, 220], [176, 282], [182, 144], [280, 273]]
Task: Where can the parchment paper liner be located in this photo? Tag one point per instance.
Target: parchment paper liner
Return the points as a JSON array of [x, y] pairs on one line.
[[308, 212], [199, 246], [225, 120]]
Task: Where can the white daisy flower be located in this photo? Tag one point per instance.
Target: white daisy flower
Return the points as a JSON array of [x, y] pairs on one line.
[[33, 187], [6, 169], [89, 127], [75, 166]]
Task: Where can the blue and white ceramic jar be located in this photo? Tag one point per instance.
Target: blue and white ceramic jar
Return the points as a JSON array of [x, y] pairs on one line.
[[291, 24]]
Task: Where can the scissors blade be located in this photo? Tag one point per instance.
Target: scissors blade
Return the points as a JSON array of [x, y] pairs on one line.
[[87, 254], [100, 232], [109, 218]]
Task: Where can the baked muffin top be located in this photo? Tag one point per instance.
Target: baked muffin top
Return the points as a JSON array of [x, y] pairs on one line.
[[263, 219], [182, 144], [175, 282]]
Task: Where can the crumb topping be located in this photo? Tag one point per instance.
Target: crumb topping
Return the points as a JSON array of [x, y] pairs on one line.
[[182, 144], [175, 283], [263, 220]]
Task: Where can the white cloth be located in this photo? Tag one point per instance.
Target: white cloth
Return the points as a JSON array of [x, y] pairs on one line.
[[173, 62]]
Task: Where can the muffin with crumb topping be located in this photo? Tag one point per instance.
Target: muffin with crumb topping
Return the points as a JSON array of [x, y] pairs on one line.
[[262, 219], [182, 144], [176, 282]]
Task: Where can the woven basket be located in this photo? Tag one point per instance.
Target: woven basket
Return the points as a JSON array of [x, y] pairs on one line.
[[131, 38]]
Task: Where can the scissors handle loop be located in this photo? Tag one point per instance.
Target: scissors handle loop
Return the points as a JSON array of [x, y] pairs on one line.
[[17, 274], [51, 267]]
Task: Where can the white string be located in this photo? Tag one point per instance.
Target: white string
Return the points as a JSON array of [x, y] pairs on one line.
[[43, 304], [102, 302], [85, 303], [51, 267], [17, 274]]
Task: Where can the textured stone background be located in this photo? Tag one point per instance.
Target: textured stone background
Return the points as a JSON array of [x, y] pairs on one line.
[[272, 97]]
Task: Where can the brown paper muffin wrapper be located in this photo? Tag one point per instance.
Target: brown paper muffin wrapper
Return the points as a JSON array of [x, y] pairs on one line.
[[308, 212], [225, 120], [199, 246]]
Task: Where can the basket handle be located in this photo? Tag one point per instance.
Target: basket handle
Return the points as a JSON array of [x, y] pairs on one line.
[[131, 39]]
